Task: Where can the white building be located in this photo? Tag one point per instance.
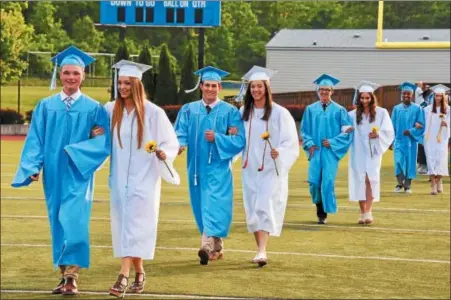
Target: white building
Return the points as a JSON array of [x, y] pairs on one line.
[[351, 55]]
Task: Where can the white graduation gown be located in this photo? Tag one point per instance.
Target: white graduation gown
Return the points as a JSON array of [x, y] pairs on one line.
[[436, 152], [135, 181], [360, 160], [265, 194]]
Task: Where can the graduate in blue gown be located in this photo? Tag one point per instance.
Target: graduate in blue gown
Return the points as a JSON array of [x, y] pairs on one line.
[[327, 135], [59, 142], [408, 122], [203, 126]]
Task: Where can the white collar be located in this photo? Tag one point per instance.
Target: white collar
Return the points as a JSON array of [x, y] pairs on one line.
[[211, 104], [74, 96]]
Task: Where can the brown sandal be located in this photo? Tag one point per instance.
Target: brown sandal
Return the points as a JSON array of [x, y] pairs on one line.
[[138, 286], [119, 289]]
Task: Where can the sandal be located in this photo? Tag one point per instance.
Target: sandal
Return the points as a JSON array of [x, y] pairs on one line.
[[119, 288], [138, 286]]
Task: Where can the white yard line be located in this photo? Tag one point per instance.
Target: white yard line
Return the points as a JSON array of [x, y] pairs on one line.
[[176, 296], [344, 227], [344, 207], [413, 260]]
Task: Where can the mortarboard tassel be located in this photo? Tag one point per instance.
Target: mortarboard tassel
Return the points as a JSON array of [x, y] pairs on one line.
[[115, 83], [354, 99], [241, 93], [195, 88], [53, 81]]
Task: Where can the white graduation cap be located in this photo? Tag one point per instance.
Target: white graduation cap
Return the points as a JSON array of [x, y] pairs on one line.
[[440, 89], [130, 69], [255, 73], [364, 87]]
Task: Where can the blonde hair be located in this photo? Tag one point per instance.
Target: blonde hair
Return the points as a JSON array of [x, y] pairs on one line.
[[138, 96]]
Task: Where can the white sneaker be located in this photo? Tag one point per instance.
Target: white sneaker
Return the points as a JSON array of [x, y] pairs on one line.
[[361, 219], [398, 189], [368, 218], [259, 256], [408, 191]]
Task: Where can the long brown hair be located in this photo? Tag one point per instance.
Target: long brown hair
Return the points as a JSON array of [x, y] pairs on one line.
[[373, 104], [249, 102], [442, 105], [138, 96]]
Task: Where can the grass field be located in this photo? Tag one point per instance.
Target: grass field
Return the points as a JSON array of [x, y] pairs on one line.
[[405, 254], [30, 95]]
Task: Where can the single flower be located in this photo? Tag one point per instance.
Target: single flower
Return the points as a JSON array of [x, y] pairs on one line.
[[265, 135], [151, 146]]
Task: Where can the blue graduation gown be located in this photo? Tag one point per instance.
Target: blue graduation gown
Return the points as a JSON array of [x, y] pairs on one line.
[[406, 147], [317, 125], [211, 192], [58, 141]]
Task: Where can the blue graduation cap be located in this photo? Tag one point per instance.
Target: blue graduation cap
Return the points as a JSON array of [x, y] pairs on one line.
[[326, 80], [408, 86], [208, 73], [70, 56]]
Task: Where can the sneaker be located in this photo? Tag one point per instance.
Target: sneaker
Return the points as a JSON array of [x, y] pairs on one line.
[[322, 221], [398, 189], [361, 219], [407, 190], [368, 218], [261, 259], [440, 187]]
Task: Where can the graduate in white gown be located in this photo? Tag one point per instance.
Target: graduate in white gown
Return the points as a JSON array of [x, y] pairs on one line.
[[265, 170], [135, 174], [436, 137], [373, 135]]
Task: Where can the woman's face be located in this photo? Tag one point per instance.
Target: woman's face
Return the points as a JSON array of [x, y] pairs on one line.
[[258, 90], [124, 85], [365, 98], [438, 98]]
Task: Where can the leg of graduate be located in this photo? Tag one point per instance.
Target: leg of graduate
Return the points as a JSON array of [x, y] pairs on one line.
[[368, 202], [120, 286], [137, 286]]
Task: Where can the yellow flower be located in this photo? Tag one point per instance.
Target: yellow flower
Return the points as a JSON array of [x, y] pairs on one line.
[[375, 129], [151, 146], [442, 116], [265, 135]]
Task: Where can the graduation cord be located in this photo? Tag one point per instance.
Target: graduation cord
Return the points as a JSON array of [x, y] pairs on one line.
[[249, 139], [264, 150], [429, 126], [195, 146], [130, 156], [214, 128]]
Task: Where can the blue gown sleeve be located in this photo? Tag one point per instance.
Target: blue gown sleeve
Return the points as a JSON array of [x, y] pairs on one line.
[[32, 157], [230, 145], [341, 143], [181, 125], [89, 155], [417, 133], [306, 130]]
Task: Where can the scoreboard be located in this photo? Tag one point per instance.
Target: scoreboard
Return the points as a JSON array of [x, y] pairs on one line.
[[188, 13]]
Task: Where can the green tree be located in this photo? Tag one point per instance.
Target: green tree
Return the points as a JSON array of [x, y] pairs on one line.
[[121, 53], [187, 79], [14, 40], [148, 79], [166, 89]]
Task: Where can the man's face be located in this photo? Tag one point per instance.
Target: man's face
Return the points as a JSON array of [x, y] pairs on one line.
[[71, 77], [210, 90], [325, 92], [407, 97]]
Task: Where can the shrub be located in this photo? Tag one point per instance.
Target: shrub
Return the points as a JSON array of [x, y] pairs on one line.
[[10, 116], [171, 111], [296, 111]]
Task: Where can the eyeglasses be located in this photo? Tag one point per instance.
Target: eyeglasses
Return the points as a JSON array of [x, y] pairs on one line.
[[325, 90]]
